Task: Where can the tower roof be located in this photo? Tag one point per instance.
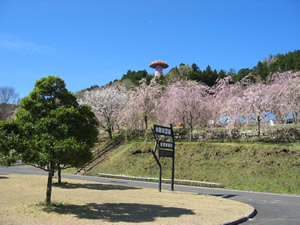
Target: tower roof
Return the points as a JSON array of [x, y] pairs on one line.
[[159, 63]]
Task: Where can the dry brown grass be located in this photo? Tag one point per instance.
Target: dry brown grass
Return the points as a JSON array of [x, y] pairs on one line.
[[82, 202]]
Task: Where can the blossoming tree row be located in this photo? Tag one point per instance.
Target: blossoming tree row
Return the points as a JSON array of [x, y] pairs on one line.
[[194, 104]]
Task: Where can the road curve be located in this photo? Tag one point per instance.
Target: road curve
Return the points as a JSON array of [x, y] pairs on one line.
[[272, 209]]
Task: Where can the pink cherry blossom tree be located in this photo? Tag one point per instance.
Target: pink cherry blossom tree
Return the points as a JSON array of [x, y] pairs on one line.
[[141, 105], [227, 101], [107, 103], [242, 101], [251, 101], [285, 89], [257, 100], [281, 96], [187, 102]]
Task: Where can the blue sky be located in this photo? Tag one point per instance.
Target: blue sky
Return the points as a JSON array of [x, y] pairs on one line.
[[92, 42]]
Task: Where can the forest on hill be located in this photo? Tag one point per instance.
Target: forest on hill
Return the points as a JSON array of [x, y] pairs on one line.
[[259, 73]]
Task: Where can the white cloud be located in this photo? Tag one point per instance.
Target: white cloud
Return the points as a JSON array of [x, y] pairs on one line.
[[14, 43]]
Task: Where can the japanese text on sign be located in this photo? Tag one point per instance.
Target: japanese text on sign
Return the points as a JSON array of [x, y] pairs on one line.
[[163, 130], [166, 145]]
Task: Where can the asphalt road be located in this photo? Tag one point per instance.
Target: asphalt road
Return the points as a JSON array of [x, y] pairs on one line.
[[272, 209]]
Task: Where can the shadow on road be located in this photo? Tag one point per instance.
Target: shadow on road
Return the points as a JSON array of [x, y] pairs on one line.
[[94, 186], [223, 195], [121, 212]]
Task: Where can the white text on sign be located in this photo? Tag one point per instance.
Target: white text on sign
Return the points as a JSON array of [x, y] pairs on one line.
[[166, 145], [162, 130]]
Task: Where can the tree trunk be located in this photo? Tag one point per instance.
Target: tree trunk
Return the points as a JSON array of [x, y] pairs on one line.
[[258, 127], [295, 116], [190, 122], [109, 133], [146, 122], [126, 135], [49, 183], [191, 133], [59, 174]]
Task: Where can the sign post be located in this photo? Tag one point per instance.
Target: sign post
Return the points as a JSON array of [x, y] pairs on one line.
[[165, 149]]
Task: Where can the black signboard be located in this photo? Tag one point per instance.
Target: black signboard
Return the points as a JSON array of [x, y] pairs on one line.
[[165, 149], [168, 145], [165, 153]]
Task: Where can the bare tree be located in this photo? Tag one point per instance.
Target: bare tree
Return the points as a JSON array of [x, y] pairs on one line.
[[9, 100]]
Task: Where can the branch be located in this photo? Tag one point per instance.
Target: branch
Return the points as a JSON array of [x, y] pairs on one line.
[[36, 166], [66, 167]]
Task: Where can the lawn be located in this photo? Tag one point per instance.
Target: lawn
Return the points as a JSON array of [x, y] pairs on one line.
[[82, 202]]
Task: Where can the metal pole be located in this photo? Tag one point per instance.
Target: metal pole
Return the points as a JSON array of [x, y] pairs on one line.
[[158, 163], [159, 185], [173, 165], [173, 159]]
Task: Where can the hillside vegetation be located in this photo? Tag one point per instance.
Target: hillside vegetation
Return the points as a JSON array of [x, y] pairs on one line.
[[266, 94], [261, 72], [243, 166]]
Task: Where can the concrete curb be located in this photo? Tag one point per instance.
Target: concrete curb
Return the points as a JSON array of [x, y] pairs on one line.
[[150, 179], [243, 219]]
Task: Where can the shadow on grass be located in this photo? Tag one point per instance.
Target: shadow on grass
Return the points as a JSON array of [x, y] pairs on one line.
[[121, 212], [1, 177], [94, 186]]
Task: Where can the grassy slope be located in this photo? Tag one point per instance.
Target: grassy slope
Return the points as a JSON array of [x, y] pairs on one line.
[[244, 166]]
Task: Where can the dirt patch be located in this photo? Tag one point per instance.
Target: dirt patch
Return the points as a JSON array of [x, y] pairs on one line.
[[79, 202]]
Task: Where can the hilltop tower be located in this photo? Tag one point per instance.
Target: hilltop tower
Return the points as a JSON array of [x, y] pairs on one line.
[[159, 65]]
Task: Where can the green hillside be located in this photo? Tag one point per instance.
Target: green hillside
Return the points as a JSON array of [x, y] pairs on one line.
[[243, 166]]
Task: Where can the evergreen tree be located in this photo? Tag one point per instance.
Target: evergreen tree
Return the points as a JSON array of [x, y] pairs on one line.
[[262, 70], [241, 74], [51, 129], [195, 68], [221, 74]]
